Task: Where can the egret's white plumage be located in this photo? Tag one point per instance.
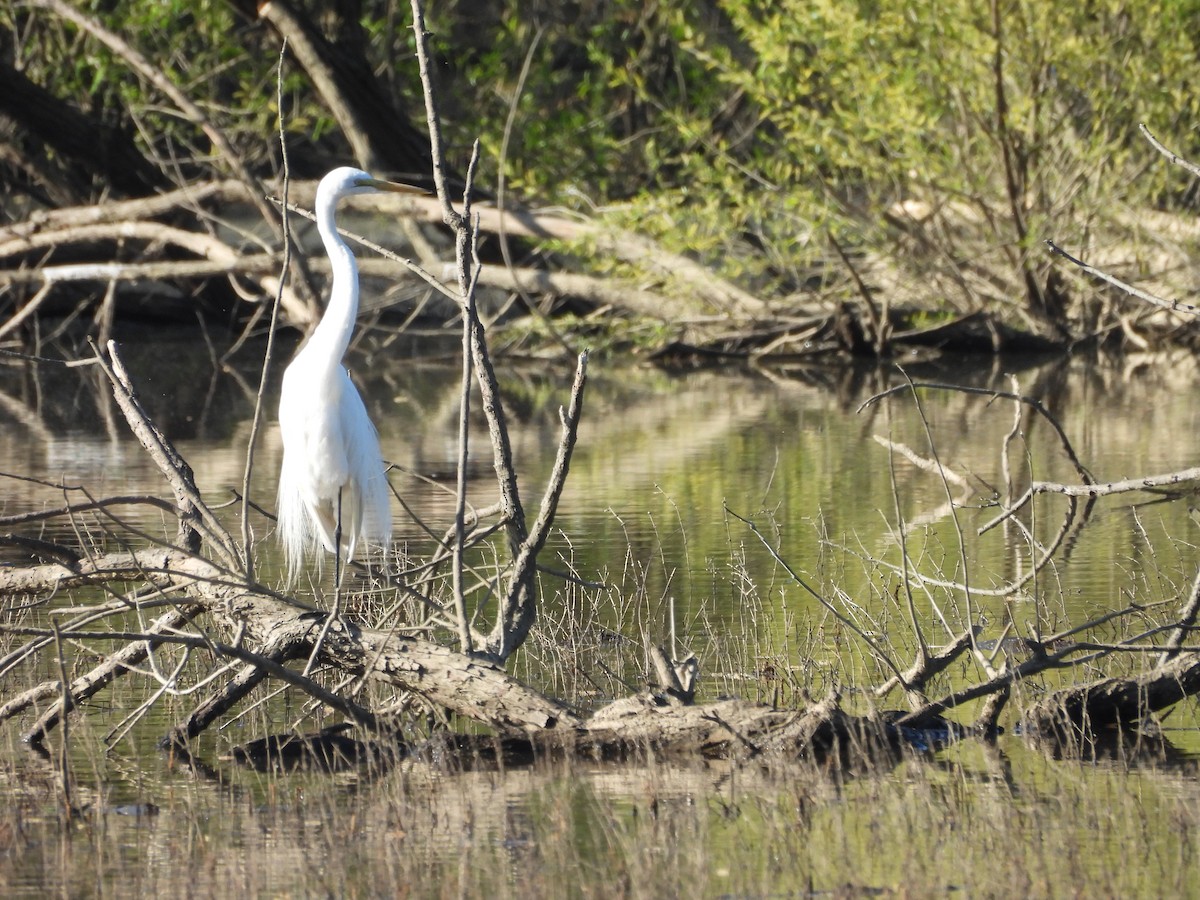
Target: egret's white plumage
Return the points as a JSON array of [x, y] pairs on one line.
[[331, 459]]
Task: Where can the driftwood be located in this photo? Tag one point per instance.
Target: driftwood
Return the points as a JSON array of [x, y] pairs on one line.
[[1078, 715], [707, 314], [461, 684]]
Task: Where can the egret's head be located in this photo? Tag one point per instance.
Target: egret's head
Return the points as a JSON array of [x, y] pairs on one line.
[[347, 180]]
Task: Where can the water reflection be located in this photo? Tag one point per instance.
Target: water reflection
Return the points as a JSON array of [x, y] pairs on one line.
[[987, 821], [662, 454]]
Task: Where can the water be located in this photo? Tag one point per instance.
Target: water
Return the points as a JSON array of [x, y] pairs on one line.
[[659, 453], [666, 463]]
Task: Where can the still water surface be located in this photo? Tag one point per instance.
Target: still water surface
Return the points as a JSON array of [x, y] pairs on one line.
[[661, 457], [663, 460]]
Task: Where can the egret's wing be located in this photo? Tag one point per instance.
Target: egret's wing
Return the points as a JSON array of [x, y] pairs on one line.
[[314, 462], [300, 529], [368, 515]]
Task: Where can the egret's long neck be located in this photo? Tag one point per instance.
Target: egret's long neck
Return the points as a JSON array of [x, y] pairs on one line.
[[332, 335]]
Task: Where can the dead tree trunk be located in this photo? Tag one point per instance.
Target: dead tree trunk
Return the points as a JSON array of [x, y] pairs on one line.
[[383, 139], [79, 144]]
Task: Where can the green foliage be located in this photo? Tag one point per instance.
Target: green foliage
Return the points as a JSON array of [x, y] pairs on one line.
[[599, 335], [742, 133], [224, 63], [851, 107]]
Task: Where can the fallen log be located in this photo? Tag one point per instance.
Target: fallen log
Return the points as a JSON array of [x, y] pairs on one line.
[[1075, 715], [270, 627]]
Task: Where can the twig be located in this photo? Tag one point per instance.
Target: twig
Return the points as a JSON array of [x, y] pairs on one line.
[[1176, 159], [460, 498], [928, 665], [1185, 623], [1096, 489], [1173, 305], [365, 264], [966, 586], [1069, 519], [1005, 464], [268, 353], [881, 327], [905, 579], [820, 598], [191, 508], [270, 666], [1033, 402], [923, 463], [85, 616], [66, 703], [218, 703], [1040, 661], [72, 509], [436, 145], [25, 311], [519, 608], [99, 677]]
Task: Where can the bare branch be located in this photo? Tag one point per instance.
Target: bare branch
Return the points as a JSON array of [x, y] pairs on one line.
[[99, 677], [1033, 402], [1190, 167], [921, 462], [929, 666], [194, 514], [518, 609], [1173, 305], [1096, 489]]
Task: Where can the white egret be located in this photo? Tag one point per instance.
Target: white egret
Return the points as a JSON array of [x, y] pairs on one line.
[[333, 491]]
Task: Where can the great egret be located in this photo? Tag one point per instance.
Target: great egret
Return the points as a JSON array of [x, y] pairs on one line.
[[332, 487]]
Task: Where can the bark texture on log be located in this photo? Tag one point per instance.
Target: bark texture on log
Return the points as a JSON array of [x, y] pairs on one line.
[[279, 630], [1126, 703]]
